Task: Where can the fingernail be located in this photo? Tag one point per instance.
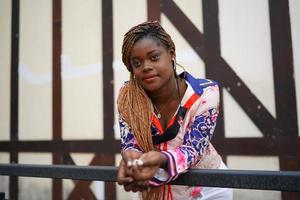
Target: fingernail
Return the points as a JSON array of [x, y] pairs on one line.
[[140, 162], [135, 162], [129, 163]]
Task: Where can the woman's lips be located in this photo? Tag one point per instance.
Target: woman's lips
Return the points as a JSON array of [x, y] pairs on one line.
[[149, 78]]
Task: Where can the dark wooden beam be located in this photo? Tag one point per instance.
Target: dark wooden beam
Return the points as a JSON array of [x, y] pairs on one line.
[[14, 76], [153, 10], [56, 70], [290, 163], [97, 146], [107, 73], [56, 90], [211, 45], [82, 188], [283, 66], [14, 92], [273, 146]]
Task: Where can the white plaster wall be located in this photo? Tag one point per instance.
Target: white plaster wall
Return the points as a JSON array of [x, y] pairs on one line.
[[254, 163], [4, 180], [82, 69], [35, 188], [295, 28], [35, 67], [246, 46], [5, 32], [185, 55], [121, 24]]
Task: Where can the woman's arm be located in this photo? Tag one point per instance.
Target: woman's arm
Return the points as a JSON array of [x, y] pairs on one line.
[[195, 140], [162, 167], [129, 151], [127, 138], [194, 144]]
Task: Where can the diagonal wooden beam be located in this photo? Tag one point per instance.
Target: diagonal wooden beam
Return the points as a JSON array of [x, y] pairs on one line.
[[82, 189], [82, 186], [223, 72]]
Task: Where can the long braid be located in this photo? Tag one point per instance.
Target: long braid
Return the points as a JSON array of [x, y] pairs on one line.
[[134, 105], [135, 108]]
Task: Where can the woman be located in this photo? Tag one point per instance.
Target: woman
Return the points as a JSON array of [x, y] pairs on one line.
[[166, 120]]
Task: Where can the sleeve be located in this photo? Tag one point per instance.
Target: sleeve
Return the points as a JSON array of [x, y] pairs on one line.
[[127, 138], [195, 140]]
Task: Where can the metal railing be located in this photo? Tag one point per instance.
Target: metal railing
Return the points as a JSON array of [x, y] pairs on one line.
[[244, 179]]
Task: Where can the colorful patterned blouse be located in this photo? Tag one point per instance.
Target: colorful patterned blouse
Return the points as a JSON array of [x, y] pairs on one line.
[[191, 148]]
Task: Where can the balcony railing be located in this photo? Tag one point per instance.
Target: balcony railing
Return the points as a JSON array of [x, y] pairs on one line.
[[245, 179]]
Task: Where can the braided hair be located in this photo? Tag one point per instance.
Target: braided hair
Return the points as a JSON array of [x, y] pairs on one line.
[[134, 106]]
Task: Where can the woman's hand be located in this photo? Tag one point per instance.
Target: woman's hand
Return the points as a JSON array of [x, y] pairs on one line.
[[128, 182], [136, 169], [123, 178], [147, 165], [124, 172]]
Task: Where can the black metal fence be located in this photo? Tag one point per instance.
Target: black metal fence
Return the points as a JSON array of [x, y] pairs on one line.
[[245, 179]]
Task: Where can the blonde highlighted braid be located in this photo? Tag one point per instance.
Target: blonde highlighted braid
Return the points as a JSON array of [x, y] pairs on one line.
[[134, 105]]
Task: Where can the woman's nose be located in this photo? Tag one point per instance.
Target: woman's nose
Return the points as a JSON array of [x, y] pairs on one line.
[[147, 67]]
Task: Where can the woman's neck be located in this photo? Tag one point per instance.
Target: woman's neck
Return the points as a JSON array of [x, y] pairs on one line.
[[164, 94]]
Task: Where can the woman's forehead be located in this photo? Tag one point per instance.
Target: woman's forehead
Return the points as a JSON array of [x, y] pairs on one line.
[[145, 45], [148, 41]]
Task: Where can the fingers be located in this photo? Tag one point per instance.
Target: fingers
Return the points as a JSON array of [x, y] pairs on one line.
[[135, 162], [125, 180], [145, 167], [122, 176], [149, 159], [153, 158], [144, 174], [130, 155], [136, 167], [137, 186], [133, 167]]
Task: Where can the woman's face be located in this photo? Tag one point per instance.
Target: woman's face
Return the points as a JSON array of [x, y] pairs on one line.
[[152, 64]]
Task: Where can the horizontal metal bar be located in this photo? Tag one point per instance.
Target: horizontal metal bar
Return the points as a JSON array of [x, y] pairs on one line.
[[244, 179]]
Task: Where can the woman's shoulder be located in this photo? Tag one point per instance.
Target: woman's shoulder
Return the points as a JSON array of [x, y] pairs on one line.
[[199, 85]]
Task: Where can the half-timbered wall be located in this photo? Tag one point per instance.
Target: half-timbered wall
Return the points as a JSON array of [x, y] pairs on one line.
[[61, 69]]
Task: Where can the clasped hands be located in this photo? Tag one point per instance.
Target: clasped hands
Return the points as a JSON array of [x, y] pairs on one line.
[[136, 169]]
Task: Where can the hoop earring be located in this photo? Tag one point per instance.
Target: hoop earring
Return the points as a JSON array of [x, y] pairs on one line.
[[184, 70], [174, 64], [132, 77], [174, 68]]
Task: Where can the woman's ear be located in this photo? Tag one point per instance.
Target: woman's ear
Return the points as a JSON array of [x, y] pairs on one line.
[[172, 54]]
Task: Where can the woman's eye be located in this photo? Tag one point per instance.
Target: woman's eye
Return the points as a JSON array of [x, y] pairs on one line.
[[135, 63], [154, 57]]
